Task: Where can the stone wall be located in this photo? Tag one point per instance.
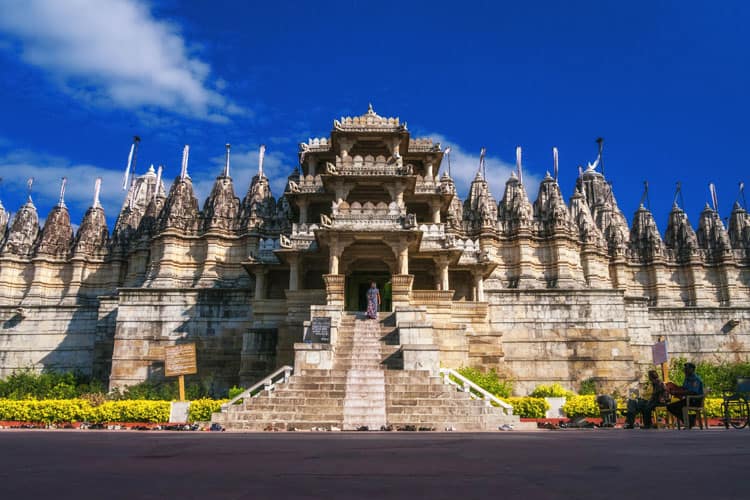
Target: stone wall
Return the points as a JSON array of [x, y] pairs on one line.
[[54, 337], [148, 320]]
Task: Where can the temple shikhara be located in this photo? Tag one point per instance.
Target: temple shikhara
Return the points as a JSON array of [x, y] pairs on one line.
[[542, 290]]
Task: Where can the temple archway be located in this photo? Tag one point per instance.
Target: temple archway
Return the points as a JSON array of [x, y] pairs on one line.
[[364, 262]]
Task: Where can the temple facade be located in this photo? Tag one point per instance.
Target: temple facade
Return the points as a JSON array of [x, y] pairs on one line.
[[543, 291]]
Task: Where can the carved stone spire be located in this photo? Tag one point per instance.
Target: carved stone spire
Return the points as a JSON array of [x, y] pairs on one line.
[[739, 228], [480, 207], [222, 207], [57, 234], [604, 209], [550, 207], [258, 204], [680, 235], [93, 235], [644, 235], [580, 214], [515, 210], [711, 234], [181, 210], [456, 213], [141, 192], [4, 217], [23, 232]]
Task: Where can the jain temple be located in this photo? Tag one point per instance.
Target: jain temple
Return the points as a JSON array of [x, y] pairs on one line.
[[542, 289]]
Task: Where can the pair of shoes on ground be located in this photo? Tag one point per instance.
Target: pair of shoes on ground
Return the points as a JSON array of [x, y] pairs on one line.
[[505, 427]]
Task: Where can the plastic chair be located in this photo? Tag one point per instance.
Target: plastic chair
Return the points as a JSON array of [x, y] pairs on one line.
[[694, 404]]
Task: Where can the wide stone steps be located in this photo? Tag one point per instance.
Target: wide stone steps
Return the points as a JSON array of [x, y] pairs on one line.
[[360, 391]]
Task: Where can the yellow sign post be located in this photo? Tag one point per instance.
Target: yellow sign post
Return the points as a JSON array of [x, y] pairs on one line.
[[180, 360]]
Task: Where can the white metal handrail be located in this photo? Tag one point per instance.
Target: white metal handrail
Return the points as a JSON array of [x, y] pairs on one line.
[[470, 387], [268, 384]]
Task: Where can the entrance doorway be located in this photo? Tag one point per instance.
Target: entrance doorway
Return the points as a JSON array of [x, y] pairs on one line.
[[357, 284]]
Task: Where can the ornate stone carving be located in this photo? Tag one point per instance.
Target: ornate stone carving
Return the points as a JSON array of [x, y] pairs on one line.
[[581, 216], [222, 207], [711, 234], [550, 207], [141, 192], [4, 218], [367, 122], [93, 235], [57, 234], [739, 228], [680, 235], [645, 239], [515, 210], [23, 231], [258, 205], [180, 210]]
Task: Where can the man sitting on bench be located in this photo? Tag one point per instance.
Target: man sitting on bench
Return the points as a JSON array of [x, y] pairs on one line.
[[693, 386], [659, 397]]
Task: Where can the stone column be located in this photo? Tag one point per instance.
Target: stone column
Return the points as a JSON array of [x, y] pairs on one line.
[[260, 283], [335, 248], [312, 164], [428, 170], [303, 204], [435, 212], [403, 260], [293, 272], [479, 286]]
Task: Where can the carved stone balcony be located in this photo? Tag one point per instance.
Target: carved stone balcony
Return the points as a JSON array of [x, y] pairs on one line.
[[306, 185]]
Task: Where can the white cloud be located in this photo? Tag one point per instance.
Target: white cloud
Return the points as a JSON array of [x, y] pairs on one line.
[[17, 166], [115, 51], [243, 166], [464, 168]]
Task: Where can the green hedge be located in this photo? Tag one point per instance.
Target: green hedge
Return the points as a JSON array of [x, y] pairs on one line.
[[490, 381], [528, 407], [581, 406], [50, 411], [201, 409]]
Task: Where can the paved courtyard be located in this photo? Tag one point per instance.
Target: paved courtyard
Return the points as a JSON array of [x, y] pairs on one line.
[[573, 464]]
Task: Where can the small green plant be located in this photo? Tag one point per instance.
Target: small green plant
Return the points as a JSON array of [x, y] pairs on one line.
[[588, 387], [490, 381], [528, 407], [29, 384], [551, 391], [235, 391]]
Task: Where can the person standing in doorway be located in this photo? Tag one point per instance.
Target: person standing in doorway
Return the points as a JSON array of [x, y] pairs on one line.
[[373, 301]]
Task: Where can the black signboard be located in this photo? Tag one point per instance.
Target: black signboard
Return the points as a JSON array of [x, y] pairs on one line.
[[320, 330]]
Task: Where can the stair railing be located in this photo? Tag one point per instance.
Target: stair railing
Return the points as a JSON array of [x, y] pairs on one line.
[[473, 390], [268, 384]]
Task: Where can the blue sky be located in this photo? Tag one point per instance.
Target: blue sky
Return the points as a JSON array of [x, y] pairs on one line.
[[665, 83]]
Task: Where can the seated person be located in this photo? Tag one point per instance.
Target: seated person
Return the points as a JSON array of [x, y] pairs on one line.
[[659, 397], [693, 385], [608, 410]]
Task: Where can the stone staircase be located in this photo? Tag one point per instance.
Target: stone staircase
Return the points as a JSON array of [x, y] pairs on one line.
[[364, 390]]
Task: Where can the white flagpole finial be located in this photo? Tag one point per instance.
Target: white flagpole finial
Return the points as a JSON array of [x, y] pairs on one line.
[[518, 164], [185, 154], [97, 190], [714, 198], [157, 188], [61, 200], [29, 185], [261, 155], [226, 161], [127, 168], [555, 161], [482, 154]]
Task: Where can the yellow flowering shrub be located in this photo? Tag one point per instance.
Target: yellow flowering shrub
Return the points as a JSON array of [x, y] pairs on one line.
[[201, 409], [581, 406], [529, 407]]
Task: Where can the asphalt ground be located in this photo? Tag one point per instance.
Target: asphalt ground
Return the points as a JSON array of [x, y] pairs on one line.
[[574, 464]]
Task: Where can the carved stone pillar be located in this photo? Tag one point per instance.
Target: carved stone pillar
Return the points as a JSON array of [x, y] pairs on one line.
[[401, 285], [260, 283], [403, 260], [435, 212], [442, 265], [293, 272], [478, 286], [312, 164], [303, 204], [429, 176], [335, 289], [335, 250]]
